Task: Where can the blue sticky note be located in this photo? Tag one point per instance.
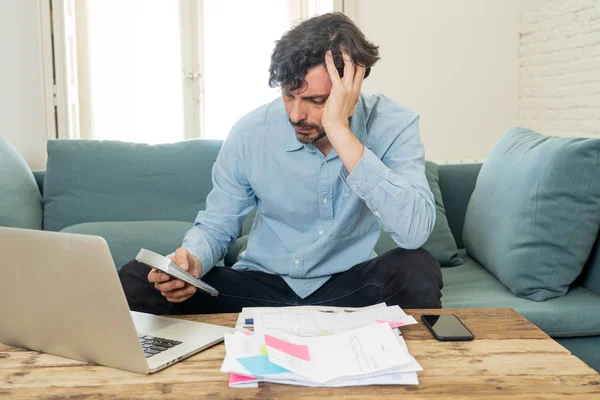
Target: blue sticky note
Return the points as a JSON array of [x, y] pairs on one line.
[[260, 365]]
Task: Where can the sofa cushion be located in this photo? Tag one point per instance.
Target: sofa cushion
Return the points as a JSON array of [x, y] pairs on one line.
[[535, 211], [126, 238], [441, 243], [457, 182], [590, 278], [20, 199], [101, 181], [585, 348], [471, 286]]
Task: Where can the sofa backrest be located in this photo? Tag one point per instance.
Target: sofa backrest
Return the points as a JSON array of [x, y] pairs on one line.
[[102, 181]]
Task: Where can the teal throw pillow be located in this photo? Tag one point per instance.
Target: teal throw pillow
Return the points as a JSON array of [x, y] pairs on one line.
[[590, 278], [441, 243], [535, 211], [20, 198]]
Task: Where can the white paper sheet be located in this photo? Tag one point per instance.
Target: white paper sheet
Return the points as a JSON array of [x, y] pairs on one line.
[[369, 350], [242, 345], [306, 322], [248, 312]]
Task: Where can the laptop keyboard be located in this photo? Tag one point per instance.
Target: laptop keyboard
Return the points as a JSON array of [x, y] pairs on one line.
[[153, 345]]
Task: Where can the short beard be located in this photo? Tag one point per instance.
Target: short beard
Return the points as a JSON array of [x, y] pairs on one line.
[[306, 139]]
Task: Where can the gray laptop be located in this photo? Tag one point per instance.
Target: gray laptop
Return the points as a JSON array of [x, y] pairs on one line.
[[61, 294]]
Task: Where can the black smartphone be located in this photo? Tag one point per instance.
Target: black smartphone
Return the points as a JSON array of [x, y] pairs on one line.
[[447, 327]]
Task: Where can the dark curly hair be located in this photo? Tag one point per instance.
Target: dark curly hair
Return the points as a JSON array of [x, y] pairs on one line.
[[304, 47]]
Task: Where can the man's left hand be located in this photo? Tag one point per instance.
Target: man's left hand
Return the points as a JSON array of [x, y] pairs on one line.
[[340, 105], [344, 92]]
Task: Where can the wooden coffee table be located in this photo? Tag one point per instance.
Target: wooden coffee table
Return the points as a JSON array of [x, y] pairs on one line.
[[510, 359]]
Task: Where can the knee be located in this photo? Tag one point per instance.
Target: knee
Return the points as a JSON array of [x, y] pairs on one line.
[[414, 276], [134, 270]]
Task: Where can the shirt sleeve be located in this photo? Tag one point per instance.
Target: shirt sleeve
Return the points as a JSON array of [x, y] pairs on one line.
[[229, 202], [395, 188]]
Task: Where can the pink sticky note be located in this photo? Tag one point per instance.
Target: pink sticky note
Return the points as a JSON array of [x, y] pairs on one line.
[[392, 324], [296, 350], [236, 378]]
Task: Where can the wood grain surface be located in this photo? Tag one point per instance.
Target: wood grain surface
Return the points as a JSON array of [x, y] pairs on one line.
[[510, 358]]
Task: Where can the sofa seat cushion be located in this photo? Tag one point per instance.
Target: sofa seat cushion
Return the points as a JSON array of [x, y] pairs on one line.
[[125, 239], [472, 286], [20, 198]]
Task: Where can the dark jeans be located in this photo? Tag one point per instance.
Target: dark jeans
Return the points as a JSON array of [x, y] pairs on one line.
[[408, 278]]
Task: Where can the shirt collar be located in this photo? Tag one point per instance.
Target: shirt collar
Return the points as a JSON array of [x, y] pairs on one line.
[[358, 125]]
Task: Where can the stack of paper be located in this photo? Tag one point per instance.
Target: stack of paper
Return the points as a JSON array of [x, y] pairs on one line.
[[316, 346]]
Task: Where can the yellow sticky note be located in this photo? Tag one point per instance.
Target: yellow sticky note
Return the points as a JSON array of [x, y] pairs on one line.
[[263, 350]]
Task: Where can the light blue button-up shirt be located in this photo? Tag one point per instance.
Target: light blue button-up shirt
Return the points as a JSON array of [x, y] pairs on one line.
[[313, 218]]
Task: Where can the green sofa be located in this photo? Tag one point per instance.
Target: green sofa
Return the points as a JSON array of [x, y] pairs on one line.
[[148, 196]]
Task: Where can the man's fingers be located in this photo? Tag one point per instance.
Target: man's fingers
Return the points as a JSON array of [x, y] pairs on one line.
[[181, 258], [170, 285], [179, 295], [156, 276], [359, 77], [331, 69], [348, 68]]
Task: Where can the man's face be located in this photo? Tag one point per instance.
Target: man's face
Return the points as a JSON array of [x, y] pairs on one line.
[[305, 105]]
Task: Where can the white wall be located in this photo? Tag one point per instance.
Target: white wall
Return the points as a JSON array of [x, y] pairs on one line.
[[560, 69], [22, 115], [455, 62]]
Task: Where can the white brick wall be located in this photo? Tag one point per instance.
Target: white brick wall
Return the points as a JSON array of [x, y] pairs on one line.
[[559, 68]]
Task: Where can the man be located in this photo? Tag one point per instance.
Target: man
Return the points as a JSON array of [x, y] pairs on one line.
[[325, 166]]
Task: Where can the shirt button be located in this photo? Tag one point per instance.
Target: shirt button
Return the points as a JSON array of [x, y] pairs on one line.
[[377, 213], [320, 232], [325, 200], [297, 262]]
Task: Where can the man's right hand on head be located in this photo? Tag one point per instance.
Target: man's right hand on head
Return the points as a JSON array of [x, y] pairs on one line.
[[173, 289]]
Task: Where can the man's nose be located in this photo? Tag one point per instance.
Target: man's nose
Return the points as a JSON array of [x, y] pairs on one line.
[[298, 111]]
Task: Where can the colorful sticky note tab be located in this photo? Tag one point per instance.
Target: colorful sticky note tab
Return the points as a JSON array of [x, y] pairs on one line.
[[296, 350], [392, 324], [260, 365], [236, 378]]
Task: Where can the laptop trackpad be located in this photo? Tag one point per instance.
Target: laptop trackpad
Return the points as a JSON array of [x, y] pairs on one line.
[[150, 324]]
